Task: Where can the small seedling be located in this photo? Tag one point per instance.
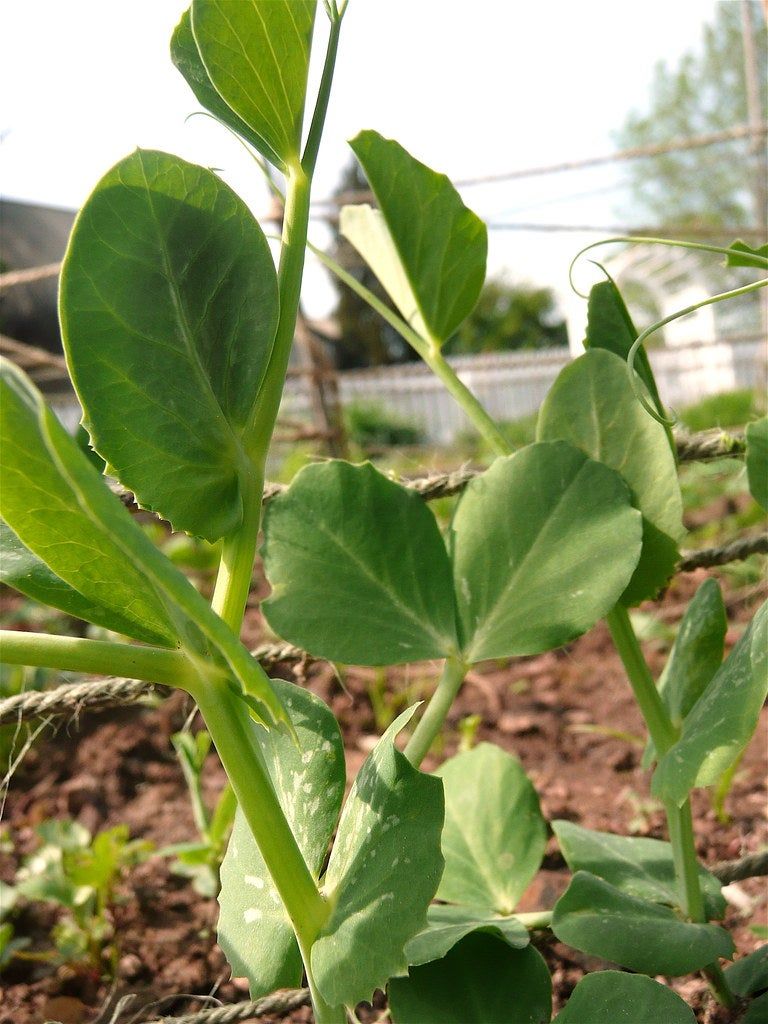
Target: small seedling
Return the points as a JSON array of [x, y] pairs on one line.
[[80, 873], [201, 859]]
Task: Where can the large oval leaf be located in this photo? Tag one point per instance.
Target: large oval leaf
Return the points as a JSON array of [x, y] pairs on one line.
[[592, 405], [441, 244], [358, 569], [61, 509], [382, 874], [256, 54], [186, 57], [481, 981], [612, 997], [169, 309], [254, 929], [603, 921], [640, 867], [543, 544], [494, 834], [25, 572], [44, 508], [447, 925], [722, 720]]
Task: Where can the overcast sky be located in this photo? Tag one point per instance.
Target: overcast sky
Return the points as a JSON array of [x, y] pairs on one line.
[[471, 87]]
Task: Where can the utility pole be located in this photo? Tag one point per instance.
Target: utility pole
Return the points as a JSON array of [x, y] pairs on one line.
[[757, 147]]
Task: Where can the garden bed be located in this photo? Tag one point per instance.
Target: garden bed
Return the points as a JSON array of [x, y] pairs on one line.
[[569, 715]]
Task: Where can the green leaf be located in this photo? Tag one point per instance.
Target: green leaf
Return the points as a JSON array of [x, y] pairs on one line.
[[601, 920], [757, 460], [23, 571], [61, 509], [543, 545], [442, 245], [722, 721], [757, 1011], [695, 656], [609, 326], [384, 869], [447, 925], [187, 60], [494, 833], [750, 974], [743, 255], [592, 405], [358, 569], [697, 652], [481, 981], [365, 228], [611, 997], [256, 55], [168, 386], [254, 929], [639, 867], [52, 547]]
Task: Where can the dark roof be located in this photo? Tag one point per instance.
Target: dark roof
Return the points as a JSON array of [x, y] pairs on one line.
[[32, 236]]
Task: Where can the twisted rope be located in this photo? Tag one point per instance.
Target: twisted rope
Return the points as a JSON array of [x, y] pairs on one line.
[[278, 1003], [702, 447], [710, 444], [72, 698], [736, 551], [69, 700], [754, 865]]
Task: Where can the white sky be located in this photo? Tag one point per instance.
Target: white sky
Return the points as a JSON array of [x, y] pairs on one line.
[[469, 86]]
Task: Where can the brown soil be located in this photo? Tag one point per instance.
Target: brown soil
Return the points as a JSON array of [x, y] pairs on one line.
[[119, 766]]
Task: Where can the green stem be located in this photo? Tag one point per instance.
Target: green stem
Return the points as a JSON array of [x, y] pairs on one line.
[[233, 581], [312, 146], [432, 720], [679, 819], [721, 297], [429, 351], [680, 825], [485, 425], [96, 657], [294, 237], [663, 732], [233, 733]]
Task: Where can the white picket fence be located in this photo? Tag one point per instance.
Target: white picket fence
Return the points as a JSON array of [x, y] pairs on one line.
[[512, 385]]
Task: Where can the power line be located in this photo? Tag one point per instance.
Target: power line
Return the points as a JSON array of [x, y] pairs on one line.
[[740, 131], [654, 232]]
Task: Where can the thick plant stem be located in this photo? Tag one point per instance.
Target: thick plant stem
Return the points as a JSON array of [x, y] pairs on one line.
[[679, 820], [233, 581], [432, 720], [680, 824], [232, 731], [294, 240], [96, 657]]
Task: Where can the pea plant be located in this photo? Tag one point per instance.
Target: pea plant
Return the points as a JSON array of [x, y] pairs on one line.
[[178, 329]]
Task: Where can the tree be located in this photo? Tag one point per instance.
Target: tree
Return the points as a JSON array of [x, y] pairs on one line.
[[506, 317], [714, 186]]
